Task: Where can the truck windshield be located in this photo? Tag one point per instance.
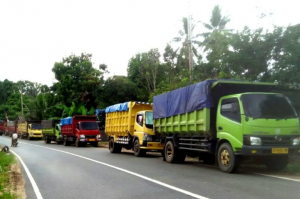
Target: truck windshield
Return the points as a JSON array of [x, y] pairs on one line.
[[36, 126], [269, 106], [149, 119], [89, 126]]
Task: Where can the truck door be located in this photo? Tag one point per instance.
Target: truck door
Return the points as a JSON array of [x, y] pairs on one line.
[[229, 121]]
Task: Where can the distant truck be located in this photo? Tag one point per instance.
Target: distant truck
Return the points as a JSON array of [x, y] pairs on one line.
[[12, 127], [80, 130], [130, 125], [227, 121], [2, 127], [30, 130], [51, 131]]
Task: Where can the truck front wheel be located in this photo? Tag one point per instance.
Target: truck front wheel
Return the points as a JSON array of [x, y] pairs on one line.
[[114, 147], [277, 163], [227, 160], [137, 149]]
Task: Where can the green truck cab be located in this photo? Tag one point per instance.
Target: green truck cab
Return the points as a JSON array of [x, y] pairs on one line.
[[228, 121], [51, 131]]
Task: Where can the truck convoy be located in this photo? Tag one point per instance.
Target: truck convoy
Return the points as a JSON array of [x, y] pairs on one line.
[[80, 130], [51, 131], [229, 121], [2, 127], [130, 125], [30, 129], [216, 120]]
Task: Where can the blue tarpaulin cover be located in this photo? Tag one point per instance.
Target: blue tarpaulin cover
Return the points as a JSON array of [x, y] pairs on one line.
[[66, 121], [183, 100], [117, 107]]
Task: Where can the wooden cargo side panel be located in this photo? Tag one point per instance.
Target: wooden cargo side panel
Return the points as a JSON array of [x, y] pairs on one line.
[[22, 127], [196, 122]]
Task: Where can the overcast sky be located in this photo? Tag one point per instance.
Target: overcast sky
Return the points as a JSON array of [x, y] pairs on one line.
[[34, 34]]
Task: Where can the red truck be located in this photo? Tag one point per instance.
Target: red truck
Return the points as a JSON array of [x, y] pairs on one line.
[[12, 127], [80, 130], [2, 127]]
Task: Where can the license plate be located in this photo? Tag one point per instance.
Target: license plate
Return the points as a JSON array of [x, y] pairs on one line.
[[92, 140], [280, 150]]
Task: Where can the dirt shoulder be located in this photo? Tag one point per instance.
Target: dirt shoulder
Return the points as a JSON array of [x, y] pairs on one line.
[[13, 182]]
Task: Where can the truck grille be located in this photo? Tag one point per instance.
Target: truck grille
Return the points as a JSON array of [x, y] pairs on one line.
[[277, 141]]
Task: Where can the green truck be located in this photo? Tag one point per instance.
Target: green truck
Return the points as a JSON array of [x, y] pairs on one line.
[[51, 131], [227, 121]]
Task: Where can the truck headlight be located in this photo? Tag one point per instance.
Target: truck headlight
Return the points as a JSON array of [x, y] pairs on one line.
[[296, 141], [256, 141], [82, 136], [98, 137], [147, 137]]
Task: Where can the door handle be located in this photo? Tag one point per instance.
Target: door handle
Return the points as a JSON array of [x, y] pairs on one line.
[[220, 128], [134, 129]]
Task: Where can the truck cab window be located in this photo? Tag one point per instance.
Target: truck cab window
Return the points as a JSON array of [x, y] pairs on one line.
[[230, 109], [139, 119]]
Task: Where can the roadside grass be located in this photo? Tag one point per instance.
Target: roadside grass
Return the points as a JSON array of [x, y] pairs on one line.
[[103, 144], [6, 159]]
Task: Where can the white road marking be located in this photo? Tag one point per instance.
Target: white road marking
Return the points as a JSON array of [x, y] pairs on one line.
[[284, 178], [129, 172], [34, 185]]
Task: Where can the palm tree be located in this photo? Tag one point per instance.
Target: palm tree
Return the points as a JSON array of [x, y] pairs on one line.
[[183, 55], [216, 28]]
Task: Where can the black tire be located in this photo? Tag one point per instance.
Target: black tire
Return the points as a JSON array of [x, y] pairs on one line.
[[277, 163], [227, 160], [48, 140], [94, 144], [66, 143], [45, 140], [114, 147], [138, 152], [173, 155], [28, 137]]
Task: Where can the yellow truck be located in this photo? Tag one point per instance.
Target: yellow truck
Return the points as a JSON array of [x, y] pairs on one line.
[[30, 130], [130, 125]]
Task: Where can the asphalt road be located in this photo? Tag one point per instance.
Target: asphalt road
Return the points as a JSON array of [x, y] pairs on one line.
[[68, 172]]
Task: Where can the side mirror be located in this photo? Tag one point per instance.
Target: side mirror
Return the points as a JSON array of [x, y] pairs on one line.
[[235, 108]]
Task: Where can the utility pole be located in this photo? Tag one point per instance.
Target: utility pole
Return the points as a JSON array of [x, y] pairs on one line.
[[21, 92], [191, 63]]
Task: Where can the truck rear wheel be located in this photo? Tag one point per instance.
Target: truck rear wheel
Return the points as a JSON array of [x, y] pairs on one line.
[[173, 155], [95, 144], [227, 160], [138, 152], [28, 137], [277, 163], [114, 147]]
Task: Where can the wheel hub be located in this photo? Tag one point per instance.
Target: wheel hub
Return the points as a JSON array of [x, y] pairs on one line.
[[225, 158], [169, 151]]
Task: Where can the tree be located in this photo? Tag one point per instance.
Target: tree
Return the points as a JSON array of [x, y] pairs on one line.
[[183, 51], [78, 81], [216, 41], [286, 60], [118, 89]]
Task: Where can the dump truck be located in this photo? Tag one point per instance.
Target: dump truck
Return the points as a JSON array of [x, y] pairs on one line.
[[2, 127], [51, 131], [30, 130], [12, 127], [130, 125], [227, 121], [80, 130]]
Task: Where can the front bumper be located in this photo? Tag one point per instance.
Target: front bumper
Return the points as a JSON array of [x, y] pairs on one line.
[[152, 145], [270, 150], [36, 136]]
